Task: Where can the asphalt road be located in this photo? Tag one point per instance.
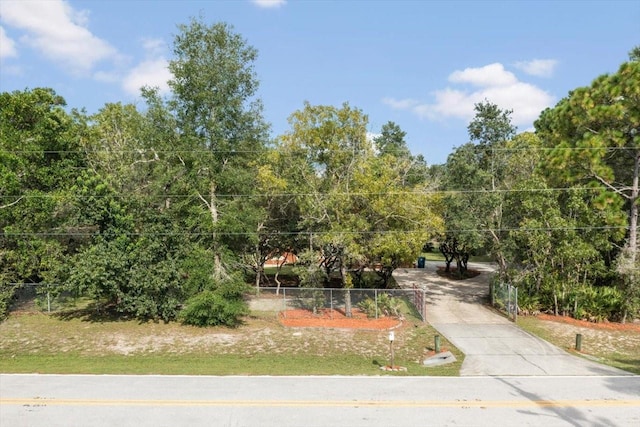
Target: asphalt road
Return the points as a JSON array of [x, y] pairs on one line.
[[141, 401]]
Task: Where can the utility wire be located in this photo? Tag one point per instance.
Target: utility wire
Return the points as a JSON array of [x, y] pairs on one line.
[[338, 193], [294, 151], [319, 233]]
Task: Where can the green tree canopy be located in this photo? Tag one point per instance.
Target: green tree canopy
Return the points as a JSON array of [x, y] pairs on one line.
[[594, 137]]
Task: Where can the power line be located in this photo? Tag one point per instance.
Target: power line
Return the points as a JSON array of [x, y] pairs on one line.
[[338, 193], [320, 233], [301, 150]]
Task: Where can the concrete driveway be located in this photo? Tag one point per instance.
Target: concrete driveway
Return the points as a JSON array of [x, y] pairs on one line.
[[492, 344]]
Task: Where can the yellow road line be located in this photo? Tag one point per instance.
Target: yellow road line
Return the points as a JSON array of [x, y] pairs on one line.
[[325, 403]]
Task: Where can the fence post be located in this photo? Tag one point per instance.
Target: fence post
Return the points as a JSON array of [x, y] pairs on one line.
[[331, 301], [48, 300], [491, 291], [423, 305], [515, 307], [284, 301], [375, 297]]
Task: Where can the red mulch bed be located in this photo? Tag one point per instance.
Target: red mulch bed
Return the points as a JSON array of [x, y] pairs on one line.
[[611, 326], [327, 318]]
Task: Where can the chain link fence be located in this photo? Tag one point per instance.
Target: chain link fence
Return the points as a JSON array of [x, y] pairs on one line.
[[504, 297], [33, 297], [374, 302], [45, 297]]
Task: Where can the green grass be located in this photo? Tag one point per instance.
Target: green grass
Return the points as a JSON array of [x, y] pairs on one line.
[[437, 256], [44, 343], [620, 349], [193, 364]]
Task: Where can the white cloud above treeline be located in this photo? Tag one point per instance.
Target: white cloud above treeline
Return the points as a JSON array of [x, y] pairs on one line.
[[151, 72], [269, 4], [61, 34], [473, 85], [538, 67], [58, 32], [7, 45]]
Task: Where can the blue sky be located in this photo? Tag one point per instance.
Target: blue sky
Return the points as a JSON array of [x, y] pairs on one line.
[[422, 64]]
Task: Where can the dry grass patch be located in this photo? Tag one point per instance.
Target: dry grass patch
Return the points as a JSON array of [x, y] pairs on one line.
[[612, 344], [38, 342]]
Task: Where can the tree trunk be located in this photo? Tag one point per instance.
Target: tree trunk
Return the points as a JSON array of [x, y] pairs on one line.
[[348, 310], [218, 269], [633, 215], [633, 235], [277, 281], [278, 268], [259, 271], [347, 296]]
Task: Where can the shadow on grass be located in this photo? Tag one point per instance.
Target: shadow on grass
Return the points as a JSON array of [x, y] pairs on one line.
[[630, 365], [95, 313], [453, 274]]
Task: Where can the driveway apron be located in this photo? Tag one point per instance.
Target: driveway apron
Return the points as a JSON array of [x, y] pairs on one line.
[[492, 344]]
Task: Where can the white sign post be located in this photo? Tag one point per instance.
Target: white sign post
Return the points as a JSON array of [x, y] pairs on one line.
[[391, 339]]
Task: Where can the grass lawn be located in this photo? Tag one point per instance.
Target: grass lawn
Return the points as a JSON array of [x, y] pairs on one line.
[[42, 343], [619, 348], [437, 256]]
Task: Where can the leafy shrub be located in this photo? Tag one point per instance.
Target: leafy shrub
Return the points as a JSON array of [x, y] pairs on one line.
[[210, 308], [528, 304], [6, 296], [368, 307], [223, 306], [597, 303], [384, 306]]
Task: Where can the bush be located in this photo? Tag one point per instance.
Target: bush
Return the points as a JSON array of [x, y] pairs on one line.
[[384, 306], [6, 297], [211, 308], [597, 303]]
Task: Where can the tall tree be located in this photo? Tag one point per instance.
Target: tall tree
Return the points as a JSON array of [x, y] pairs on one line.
[[474, 177], [594, 134], [332, 144], [391, 142], [40, 157], [356, 205], [634, 54], [221, 131]]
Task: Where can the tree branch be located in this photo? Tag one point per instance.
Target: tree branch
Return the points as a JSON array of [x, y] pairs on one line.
[[612, 188], [11, 204]]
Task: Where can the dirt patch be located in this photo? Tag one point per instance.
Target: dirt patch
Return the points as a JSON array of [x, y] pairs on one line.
[[328, 318], [609, 326]]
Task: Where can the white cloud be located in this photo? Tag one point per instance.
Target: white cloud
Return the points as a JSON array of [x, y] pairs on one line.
[[401, 104], [59, 32], [154, 47], [538, 67], [152, 72], [269, 4], [372, 135], [489, 75], [492, 83], [7, 45]]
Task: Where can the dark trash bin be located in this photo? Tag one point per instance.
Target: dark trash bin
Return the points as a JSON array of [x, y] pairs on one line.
[[421, 262]]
